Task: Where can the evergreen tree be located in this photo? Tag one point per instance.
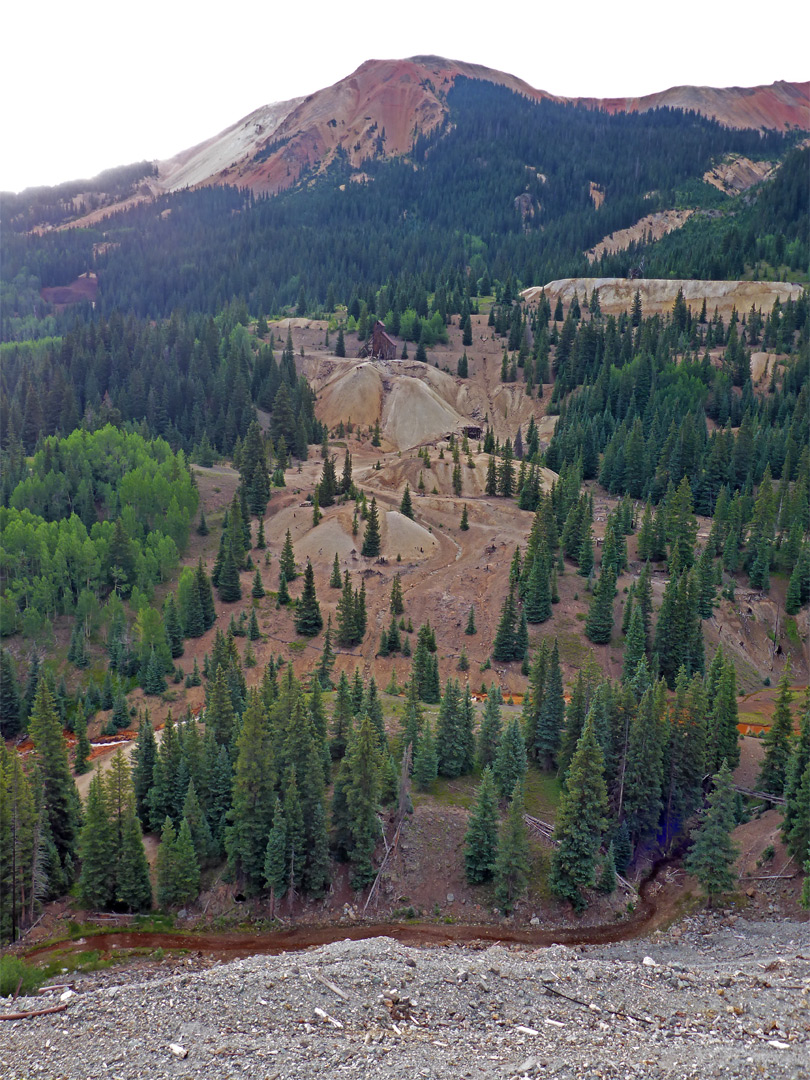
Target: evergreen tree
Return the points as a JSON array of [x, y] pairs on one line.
[[133, 888], [512, 861], [712, 856], [341, 719], [287, 559], [371, 536], [335, 579], [633, 646], [54, 788], [198, 826], [489, 735], [504, 645], [327, 661], [607, 877], [796, 822], [81, 758], [228, 585], [581, 820], [362, 766], [481, 840], [276, 873], [778, 740], [470, 627], [406, 506], [96, 850], [253, 784], [308, 618], [465, 524], [723, 740], [538, 589], [144, 754], [599, 623], [425, 761], [257, 592], [548, 732], [397, 603], [10, 699], [510, 760]]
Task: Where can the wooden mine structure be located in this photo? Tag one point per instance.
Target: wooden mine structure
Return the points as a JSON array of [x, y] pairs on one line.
[[379, 346]]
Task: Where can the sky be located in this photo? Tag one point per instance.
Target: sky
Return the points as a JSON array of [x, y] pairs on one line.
[[85, 88]]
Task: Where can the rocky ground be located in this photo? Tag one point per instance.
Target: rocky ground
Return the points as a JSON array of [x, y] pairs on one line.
[[715, 996]]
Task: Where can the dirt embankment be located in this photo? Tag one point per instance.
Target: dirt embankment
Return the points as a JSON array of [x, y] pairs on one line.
[[651, 227], [658, 294]]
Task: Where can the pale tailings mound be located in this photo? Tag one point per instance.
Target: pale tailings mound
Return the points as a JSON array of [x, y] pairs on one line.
[[737, 173], [401, 536], [652, 226], [658, 294], [415, 403]]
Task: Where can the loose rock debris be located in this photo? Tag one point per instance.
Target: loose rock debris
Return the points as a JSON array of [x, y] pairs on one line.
[[717, 1001]]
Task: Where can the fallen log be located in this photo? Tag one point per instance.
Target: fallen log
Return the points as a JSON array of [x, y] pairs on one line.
[[32, 1012]]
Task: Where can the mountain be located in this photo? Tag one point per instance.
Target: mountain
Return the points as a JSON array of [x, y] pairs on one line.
[[380, 108]]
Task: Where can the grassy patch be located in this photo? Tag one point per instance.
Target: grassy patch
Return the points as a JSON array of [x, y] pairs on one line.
[[542, 794], [792, 631], [459, 792]]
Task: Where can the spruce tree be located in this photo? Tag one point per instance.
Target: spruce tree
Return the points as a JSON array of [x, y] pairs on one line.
[[397, 603], [796, 821], [327, 661], [308, 618], [10, 698], [547, 735], [371, 536], [283, 596], [470, 628], [778, 740], [253, 784], [711, 859], [228, 585], [341, 719], [633, 646], [512, 860], [362, 765], [510, 760], [257, 592], [287, 559], [133, 888], [275, 857], [406, 506], [489, 735], [335, 579], [503, 647], [54, 787], [81, 759], [425, 761], [465, 524], [96, 850], [581, 820], [599, 623], [607, 876], [481, 840]]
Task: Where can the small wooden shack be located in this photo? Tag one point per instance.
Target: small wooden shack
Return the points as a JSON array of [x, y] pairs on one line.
[[379, 346]]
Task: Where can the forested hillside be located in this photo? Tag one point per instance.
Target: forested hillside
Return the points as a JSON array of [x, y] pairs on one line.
[[293, 614]]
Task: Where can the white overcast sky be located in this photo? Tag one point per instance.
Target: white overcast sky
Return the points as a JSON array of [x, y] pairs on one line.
[[88, 87]]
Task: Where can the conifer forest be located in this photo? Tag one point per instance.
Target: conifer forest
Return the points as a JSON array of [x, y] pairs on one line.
[[508, 619]]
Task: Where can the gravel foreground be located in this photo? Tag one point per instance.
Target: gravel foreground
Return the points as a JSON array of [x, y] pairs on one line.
[[713, 997]]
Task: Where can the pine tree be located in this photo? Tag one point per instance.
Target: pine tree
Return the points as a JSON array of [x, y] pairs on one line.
[[547, 736], [308, 618], [406, 506], [54, 788], [712, 857], [276, 873], [287, 559], [257, 592], [10, 699], [228, 585], [512, 861], [634, 646], [778, 740], [425, 761], [335, 579], [371, 536], [581, 820], [607, 876], [796, 822], [481, 840], [470, 628], [96, 850], [465, 524], [81, 759], [253, 784], [723, 740], [538, 589], [362, 765], [503, 647], [510, 760], [133, 889], [489, 735], [599, 623]]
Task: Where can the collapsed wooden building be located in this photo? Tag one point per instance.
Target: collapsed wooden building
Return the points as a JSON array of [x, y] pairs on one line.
[[379, 346]]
